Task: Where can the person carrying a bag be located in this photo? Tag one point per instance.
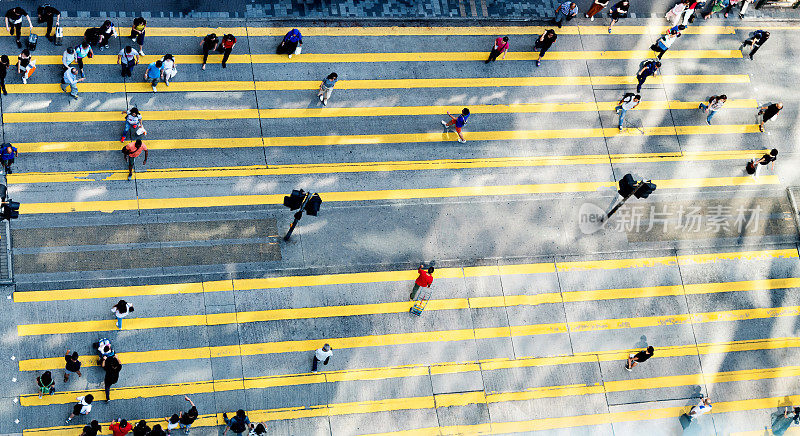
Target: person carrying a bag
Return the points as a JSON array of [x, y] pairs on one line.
[[133, 120], [292, 43]]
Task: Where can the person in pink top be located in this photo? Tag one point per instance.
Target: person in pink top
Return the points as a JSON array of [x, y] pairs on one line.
[[131, 152], [500, 46]]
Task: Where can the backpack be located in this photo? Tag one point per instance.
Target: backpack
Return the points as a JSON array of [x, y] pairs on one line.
[[628, 96]]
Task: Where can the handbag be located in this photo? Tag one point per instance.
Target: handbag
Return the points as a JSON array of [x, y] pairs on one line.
[[298, 50], [141, 131]]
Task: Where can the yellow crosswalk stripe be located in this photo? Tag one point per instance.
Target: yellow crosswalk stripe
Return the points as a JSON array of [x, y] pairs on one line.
[[441, 273], [358, 167], [377, 195], [376, 111], [342, 84], [409, 57], [390, 138]]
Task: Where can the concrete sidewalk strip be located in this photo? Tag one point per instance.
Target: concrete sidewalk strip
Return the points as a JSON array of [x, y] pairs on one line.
[[343, 84], [366, 111], [379, 195], [359, 167], [441, 273]]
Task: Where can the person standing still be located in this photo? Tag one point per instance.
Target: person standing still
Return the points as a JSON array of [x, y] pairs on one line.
[[768, 112], [650, 68], [424, 279], [121, 310], [457, 123], [628, 102], [73, 365], [137, 32], [326, 88], [209, 43], [596, 7], [759, 37], [153, 74], [5, 62], [131, 152], [112, 366], [543, 43], [226, 47], [565, 12], [71, 79], [620, 10], [50, 15], [127, 58], [321, 355], [500, 47], [714, 104], [635, 359], [14, 18]]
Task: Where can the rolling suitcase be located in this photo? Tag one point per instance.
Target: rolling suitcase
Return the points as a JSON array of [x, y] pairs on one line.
[[32, 39], [58, 39]]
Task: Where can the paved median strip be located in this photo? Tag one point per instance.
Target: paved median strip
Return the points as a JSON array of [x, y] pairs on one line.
[[334, 112]]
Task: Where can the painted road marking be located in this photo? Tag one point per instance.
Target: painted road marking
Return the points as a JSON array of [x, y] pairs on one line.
[[379, 195]]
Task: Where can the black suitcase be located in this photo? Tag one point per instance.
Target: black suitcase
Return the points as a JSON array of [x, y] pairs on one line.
[[32, 39]]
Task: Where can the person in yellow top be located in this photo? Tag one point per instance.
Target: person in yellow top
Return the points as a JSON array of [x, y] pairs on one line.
[[137, 32]]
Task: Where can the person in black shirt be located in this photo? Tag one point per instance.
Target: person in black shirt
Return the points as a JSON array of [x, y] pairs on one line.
[[543, 44], [620, 10], [639, 357], [92, 429], [759, 37], [209, 43], [94, 36], [14, 18], [141, 429], [5, 62], [112, 367], [188, 418], [73, 365], [46, 14], [768, 112]]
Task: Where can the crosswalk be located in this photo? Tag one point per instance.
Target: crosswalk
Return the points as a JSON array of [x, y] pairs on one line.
[[510, 346]]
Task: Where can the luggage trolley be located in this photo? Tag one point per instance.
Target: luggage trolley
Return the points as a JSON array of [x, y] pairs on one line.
[[421, 302]]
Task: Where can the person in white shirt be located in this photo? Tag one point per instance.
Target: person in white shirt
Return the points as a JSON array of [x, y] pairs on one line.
[[128, 57], [168, 70], [714, 104], [121, 310], [322, 355], [628, 102], [68, 57], [83, 407], [71, 79], [665, 42], [703, 407]]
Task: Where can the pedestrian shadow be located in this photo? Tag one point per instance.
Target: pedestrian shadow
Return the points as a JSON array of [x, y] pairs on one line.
[[642, 342]]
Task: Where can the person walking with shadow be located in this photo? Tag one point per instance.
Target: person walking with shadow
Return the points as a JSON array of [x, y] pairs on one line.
[[291, 44], [424, 279], [635, 359], [620, 10], [457, 123], [715, 103], [702, 407], [326, 88], [500, 47], [46, 384], [112, 366], [226, 47], [121, 310], [543, 43], [759, 37], [321, 355], [208, 44], [649, 68], [768, 112]]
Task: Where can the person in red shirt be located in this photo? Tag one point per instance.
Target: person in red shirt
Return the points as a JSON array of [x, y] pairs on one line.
[[226, 46], [120, 428], [500, 46], [425, 279], [131, 152]]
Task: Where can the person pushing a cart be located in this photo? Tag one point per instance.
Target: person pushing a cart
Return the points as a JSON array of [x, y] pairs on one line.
[[425, 279]]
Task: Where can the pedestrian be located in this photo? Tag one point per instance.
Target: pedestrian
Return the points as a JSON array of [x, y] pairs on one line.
[[635, 359], [226, 47], [291, 44], [25, 65], [83, 51], [717, 6], [127, 58], [703, 407], [172, 423], [543, 43], [238, 424], [14, 18], [71, 79], [597, 6], [73, 365], [745, 4], [67, 58], [141, 429], [759, 37], [137, 32], [93, 36], [424, 279], [500, 47], [5, 62], [131, 152], [321, 355], [7, 156], [209, 43], [91, 429], [104, 350], [649, 68], [50, 15], [768, 158], [795, 410], [153, 74], [326, 88], [120, 427], [665, 42], [565, 12], [715, 103], [688, 14], [626, 103], [674, 14], [258, 430], [112, 366], [768, 112], [731, 4], [46, 384], [133, 122], [108, 31], [620, 10], [189, 417], [82, 407], [121, 310], [157, 431], [168, 69], [457, 123]]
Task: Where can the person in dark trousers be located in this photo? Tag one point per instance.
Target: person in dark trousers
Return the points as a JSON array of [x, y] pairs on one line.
[[238, 424], [138, 31], [500, 47], [226, 47], [291, 41], [127, 58], [209, 43], [92, 429], [650, 68], [112, 366], [457, 123], [189, 417], [7, 156], [543, 43], [759, 37], [94, 36], [131, 152], [768, 158], [424, 279], [5, 62], [82, 407], [597, 6], [635, 359], [46, 384], [141, 428], [14, 17], [665, 42], [321, 355], [620, 10], [768, 112], [107, 31], [73, 365], [565, 12], [50, 15]]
